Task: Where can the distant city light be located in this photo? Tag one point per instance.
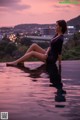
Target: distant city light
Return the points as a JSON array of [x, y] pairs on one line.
[[12, 37], [70, 27]]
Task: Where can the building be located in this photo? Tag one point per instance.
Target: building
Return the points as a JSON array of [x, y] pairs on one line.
[[71, 30], [48, 31]]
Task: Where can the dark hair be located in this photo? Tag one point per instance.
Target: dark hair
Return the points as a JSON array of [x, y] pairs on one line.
[[63, 25]]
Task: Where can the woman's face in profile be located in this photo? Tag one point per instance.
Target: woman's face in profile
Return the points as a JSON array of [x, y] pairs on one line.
[[57, 28]]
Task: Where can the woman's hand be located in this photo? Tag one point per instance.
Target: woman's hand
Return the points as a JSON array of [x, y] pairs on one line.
[[46, 55], [47, 50]]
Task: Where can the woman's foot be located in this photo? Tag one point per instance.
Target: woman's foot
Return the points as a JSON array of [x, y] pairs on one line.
[[11, 64], [14, 64]]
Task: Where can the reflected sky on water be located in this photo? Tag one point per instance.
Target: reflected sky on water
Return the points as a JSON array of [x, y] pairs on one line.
[[25, 92]]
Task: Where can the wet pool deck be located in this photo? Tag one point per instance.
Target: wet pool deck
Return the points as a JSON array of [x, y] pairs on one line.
[[26, 95]]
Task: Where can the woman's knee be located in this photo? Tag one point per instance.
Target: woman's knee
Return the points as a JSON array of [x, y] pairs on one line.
[[34, 45], [32, 53]]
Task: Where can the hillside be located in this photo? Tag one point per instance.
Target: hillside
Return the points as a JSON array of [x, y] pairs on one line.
[[74, 21], [71, 50], [31, 26]]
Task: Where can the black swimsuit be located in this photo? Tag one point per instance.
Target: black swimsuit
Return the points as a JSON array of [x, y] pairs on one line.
[[55, 49]]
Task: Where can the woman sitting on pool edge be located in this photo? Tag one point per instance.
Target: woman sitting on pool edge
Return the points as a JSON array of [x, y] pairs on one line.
[[53, 52], [49, 56]]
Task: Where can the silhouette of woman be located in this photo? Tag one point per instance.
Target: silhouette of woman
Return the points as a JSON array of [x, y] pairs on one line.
[[53, 52]]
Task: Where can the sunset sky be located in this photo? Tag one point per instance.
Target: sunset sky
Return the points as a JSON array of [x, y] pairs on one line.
[[13, 12]]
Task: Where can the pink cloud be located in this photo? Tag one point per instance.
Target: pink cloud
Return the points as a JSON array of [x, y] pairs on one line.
[[14, 12], [13, 4], [61, 6]]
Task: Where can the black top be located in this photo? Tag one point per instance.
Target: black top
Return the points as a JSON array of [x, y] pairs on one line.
[[56, 48]]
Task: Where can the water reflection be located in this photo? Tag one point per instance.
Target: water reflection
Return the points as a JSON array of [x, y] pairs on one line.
[[60, 98], [35, 73], [54, 75], [53, 72], [24, 99]]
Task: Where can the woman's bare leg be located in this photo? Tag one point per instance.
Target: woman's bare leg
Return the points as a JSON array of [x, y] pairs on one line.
[[38, 55], [30, 53], [37, 48]]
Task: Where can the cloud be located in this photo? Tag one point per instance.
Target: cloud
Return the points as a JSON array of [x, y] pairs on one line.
[[13, 4], [61, 6]]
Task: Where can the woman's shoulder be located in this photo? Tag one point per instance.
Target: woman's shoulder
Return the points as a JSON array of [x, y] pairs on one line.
[[61, 37], [57, 38]]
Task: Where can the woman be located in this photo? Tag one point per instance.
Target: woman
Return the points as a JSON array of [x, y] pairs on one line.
[[52, 53]]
